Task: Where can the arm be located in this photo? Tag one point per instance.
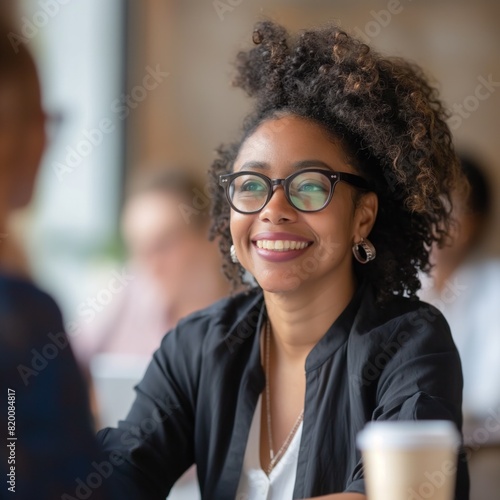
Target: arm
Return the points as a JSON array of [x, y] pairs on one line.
[[423, 379], [409, 370], [154, 445]]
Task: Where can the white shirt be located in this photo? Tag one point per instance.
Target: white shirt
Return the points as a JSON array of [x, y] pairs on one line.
[[254, 483]]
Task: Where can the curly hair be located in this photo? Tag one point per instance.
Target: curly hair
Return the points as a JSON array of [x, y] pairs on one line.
[[390, 123]]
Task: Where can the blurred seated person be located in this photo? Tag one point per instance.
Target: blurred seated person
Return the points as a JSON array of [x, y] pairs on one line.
[[175, 269], [48, 444], [465, 286]]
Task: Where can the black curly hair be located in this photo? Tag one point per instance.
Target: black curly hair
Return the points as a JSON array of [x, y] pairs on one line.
[[392, 127]]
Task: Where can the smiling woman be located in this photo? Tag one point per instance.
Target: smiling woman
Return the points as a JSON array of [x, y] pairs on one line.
[[331, 200]]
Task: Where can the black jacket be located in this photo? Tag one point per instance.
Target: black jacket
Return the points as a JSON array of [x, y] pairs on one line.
[[196, 401], [51, 445]]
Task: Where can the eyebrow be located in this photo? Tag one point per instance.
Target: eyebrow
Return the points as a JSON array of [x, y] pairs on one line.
[[259, 165]]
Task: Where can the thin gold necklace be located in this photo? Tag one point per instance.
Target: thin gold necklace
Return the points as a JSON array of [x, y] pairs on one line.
[[274, 459]]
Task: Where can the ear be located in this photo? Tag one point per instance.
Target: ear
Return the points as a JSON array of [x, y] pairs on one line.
[[365, 214], [469, 231], [29, 155]]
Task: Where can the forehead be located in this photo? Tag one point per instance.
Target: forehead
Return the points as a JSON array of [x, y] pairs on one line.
[[288, 140]]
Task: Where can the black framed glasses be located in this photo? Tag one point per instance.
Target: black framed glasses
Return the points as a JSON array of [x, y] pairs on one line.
[[306, 190]]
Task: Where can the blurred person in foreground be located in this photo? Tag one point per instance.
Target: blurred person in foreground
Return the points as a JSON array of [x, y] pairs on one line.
[[48, 448], [465, 286], [173, 266], [339, 179]]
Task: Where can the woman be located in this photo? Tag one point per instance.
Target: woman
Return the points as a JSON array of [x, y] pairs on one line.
[[330, 200]]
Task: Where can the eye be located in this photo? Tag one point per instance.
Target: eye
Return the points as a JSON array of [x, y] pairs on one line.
[[253, 185], [311, 183], [311, 186]]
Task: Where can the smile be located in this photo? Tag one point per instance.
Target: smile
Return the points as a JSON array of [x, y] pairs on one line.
[[281, 245]]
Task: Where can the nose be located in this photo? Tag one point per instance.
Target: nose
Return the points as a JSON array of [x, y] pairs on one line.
[[278, 210]]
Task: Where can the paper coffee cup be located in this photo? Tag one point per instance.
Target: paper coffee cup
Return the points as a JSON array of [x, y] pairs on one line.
[[410, 460]]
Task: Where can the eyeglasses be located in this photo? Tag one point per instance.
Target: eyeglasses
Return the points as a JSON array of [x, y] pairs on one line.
[[306, 190]]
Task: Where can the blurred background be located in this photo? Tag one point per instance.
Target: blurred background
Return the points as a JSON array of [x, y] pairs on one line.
[[95, 58], [132, 86]]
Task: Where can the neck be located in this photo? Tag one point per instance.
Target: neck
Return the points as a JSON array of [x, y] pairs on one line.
[[300, 319], [442, 272]]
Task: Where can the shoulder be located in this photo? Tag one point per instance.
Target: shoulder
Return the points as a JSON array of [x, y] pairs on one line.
[[16, 292], [402, 321], [404, 350], [202, 343], [26, 312], [234, 316]]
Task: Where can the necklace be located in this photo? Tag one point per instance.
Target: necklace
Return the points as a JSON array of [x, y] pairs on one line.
[[275, 458]]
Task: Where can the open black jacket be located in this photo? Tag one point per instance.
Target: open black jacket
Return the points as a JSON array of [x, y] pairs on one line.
[[196, 401]]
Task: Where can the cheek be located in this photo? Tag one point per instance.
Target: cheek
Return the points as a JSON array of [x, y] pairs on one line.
[[338, 221], [239, 226]]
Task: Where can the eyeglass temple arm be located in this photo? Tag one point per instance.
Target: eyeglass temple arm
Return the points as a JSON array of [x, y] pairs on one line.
[[355, 180]]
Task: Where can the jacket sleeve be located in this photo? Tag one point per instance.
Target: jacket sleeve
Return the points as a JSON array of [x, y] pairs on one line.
[[420, 378], [153, 446]]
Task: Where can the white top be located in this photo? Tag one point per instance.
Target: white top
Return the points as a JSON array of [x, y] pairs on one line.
[[254, 482]]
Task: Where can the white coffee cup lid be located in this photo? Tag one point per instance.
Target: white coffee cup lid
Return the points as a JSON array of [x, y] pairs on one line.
[[409, 434]]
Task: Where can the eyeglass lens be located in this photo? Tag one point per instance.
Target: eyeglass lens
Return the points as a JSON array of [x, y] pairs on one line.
[[307, 191]]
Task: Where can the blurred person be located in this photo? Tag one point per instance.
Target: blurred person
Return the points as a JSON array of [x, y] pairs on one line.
[[48, 447], [340, 177], [465, 286], [173, 267]]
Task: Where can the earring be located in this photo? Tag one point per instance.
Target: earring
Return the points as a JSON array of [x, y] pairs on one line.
[[364, 251], [234, 257]]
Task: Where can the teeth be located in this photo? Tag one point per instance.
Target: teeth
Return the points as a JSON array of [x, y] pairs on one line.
[[281, 245]]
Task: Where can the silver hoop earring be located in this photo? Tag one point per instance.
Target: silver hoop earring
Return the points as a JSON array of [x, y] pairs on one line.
[[234, 257], [364, 251]]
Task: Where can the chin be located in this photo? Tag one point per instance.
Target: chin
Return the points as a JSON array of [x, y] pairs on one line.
[[285, 283]]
